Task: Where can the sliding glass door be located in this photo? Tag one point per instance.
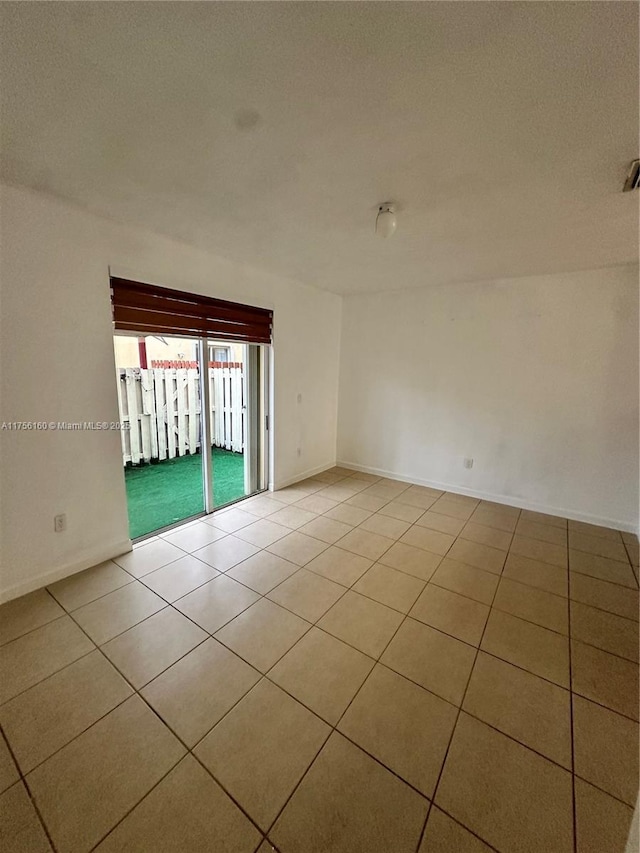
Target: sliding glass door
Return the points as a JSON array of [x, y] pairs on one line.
[[195, 420]]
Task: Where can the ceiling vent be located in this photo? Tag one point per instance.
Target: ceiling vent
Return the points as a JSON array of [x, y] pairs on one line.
[[633, 178]]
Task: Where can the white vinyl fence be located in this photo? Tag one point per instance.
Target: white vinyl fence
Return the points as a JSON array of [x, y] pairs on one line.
[[162, 407]]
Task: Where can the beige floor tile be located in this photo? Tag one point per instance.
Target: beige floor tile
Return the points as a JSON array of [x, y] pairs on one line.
[[295, 492], [372, 503], [177, 579], [467, 500], [373, 809], [197, 691], [226, 553], [429, 540], [217, 602], [364, 476], [544, 532], [27, 613], [402, 512], [441, 523], [454, 614], [106, 617], [262, 532], [389, 586], [535, 549], [144, 651], [176, 815], [298, 548], [605, 630], [529, 709], [438, 662], [326, 529], [413, 561], [498, 519], [543, 518], [148, 556], [534, 605], [46, 717], [511, 797], [262, 572], [386, 488], [494, 506], [316, 504], [456, 509], [88, 786], [594, 530], [86, 586], [444, 835], [8, 770], [194, 536], [483, 535], [602, 568], [369, 545], [606, 749], [323, 673], [38, 654], [292, 517], [385, 525], [341, 491], [620, 600], [604, 678], [263, 633], [20, 828], [417, 500], [328, 477], [261, 506], [347, 514], [336, 564], [403, 726], [534, 573], [529, 646], [231, 520], [466, 580], [612, 549], [276, 737], [602, 823], [478, 555], [365, 624], [307, 595]]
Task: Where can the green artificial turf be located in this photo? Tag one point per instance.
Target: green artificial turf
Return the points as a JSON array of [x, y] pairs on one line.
[[161, 493]]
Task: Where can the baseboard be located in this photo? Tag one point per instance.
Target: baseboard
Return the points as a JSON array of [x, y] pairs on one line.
[[88, 559], [563, 512], [304, 475]]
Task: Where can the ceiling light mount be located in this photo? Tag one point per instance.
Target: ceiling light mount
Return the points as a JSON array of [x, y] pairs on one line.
[[386, 221]]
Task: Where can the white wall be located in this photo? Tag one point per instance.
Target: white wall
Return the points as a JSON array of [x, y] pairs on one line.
[[535, 378], [58, 365]]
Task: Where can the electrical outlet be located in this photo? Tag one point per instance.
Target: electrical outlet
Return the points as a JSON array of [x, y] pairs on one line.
[[60, 523], [468, 463], [299, 398], [299, 451]]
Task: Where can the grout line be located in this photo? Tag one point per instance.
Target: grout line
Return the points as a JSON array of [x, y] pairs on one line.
[[22, 779], [377, 661], [455, 725]]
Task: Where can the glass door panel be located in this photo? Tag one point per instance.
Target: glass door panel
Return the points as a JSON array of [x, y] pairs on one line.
[[159, 401]]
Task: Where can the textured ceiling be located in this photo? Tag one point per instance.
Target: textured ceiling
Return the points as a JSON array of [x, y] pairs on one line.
[[269, 132]]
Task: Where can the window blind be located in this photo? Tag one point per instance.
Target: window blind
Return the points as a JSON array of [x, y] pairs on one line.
[[151, 310]]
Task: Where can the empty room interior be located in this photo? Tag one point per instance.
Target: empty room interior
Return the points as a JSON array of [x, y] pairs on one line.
[[320, 427]]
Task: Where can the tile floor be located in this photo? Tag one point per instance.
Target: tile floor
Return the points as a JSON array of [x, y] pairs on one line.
[[349, 665]]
